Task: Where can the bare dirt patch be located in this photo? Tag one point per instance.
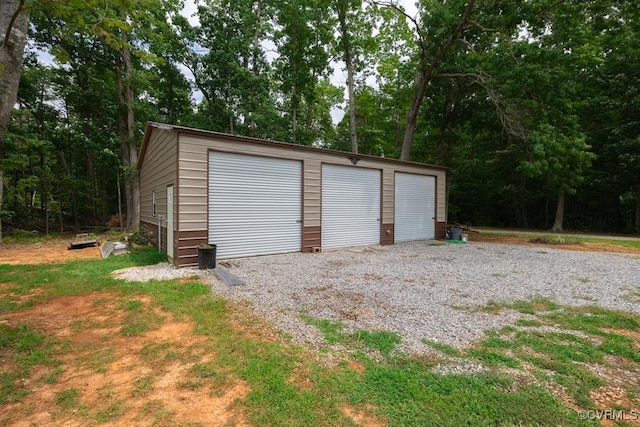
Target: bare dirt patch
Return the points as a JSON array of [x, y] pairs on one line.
[[568, 244], [300, 377], [123, 380], [361, 416], [49, 252], [250, 326], [5, 286]]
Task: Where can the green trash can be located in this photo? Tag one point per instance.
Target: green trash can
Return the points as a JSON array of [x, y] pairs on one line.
[[207, 256]]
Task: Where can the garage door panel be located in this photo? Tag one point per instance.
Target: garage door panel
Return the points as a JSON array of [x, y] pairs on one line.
[[350, 206], [414, 207], [255, 204]]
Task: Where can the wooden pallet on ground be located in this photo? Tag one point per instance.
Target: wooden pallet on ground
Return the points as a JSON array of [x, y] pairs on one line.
[[82, 241]]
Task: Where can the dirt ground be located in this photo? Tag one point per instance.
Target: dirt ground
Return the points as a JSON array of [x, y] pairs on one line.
[[109, 378], [568, 244], [49, 252], [121, 380]]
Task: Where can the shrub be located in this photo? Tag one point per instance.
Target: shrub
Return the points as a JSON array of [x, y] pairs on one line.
[[139, 237]]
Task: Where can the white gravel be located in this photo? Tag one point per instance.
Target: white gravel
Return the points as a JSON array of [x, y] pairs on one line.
[[162, 271], [419, 290]]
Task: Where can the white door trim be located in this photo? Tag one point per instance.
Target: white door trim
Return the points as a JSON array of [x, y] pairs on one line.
[[170, 225]]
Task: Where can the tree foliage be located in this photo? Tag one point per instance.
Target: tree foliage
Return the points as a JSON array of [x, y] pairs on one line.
[[532, 105]]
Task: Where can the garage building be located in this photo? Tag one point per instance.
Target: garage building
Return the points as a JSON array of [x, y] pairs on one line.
[[257, 197]]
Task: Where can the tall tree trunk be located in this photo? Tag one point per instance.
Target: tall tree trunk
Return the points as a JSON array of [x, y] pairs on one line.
[[420, 88], [127, 134], [424, 75], [72, 191], [256, 38], [294, 112], [91, 174], [46, 218], [228, 102], [124, 146], [524, 216], [14, 22], [557, 225], [61, 215], [309, 103], [119, 201], [308, 116], [522, 202], [546, 209], [74, 210], [134, 219], [342, 6]]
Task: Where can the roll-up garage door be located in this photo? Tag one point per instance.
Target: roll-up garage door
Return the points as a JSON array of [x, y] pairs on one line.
[[350, 206], [254, 204], [415, 207]]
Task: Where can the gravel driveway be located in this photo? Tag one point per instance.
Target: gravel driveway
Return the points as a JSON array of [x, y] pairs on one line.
[[426, 291]]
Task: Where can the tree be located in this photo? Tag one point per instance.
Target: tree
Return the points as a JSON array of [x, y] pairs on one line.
[[14, 21], [438, 32], [64, 119], [559, 159], [227, 59], [303, 41], [342, 7], [608, 115], [164, 94], [355, 40], [395, 69], [125, 30], [528, 103], [374, 124]]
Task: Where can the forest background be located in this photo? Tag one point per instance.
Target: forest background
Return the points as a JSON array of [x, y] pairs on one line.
[[533, 105]]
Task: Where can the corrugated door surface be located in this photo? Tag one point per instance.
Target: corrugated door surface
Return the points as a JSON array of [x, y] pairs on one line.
[[415, 207], [350, 206], [255, 205]]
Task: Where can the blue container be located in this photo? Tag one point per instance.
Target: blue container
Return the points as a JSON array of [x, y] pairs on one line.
[[455, 234]]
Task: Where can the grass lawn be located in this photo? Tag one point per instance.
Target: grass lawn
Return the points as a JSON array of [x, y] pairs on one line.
[[80, 347]]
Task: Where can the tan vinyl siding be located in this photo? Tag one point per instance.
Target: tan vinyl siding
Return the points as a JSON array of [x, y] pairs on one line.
[[193, 177], [192, 145], [158, 172], [441, 197], [312, 193], [192, 194], [388, 196]]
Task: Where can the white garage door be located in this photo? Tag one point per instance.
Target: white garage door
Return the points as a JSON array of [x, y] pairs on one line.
[[350, 206], [415, 207], [255, 205]]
